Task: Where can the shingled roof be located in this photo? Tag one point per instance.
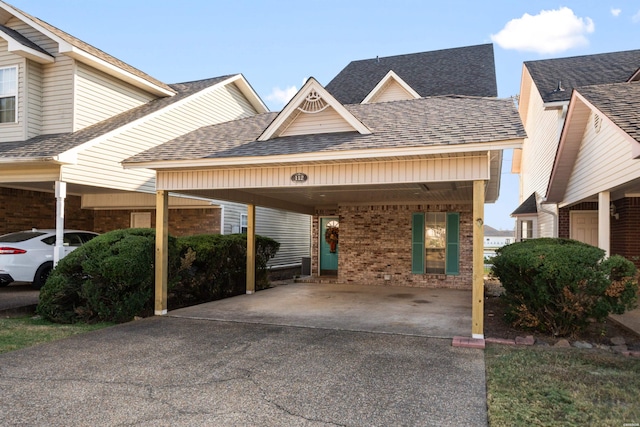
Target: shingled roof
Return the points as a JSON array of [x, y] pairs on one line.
[[466, 71], [528, 207], [576, 71], [23, 40], [619, 102], [420, 122], [46, 146], [79, 44]]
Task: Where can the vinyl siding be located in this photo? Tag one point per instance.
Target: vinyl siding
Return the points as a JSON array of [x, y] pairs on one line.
[[326, 121], [99, 165], [604, 161], [100, 96], [14, 131], [232, 212], [57, 82], [34, 99], [291, 230], [392, 91], [539, 149]]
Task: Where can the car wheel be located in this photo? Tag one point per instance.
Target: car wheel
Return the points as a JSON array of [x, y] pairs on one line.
[[41, 275]]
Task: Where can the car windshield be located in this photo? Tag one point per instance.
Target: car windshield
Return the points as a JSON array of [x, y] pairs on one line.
[[20, 236]]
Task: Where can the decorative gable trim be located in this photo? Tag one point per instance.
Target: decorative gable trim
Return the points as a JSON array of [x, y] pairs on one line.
[[382, 84], [312, 98]]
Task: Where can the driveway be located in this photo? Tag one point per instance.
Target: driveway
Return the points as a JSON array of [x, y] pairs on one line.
[[441, 313], [180, 371]]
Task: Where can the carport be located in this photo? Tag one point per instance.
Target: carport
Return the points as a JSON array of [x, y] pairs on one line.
[[402, 183]]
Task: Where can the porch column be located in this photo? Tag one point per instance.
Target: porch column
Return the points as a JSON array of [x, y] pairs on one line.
[[251, 249], [604, 222], [477, 294], [162, 252], [61, 194]]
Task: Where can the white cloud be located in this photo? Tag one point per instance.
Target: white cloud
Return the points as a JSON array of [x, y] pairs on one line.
[[636, 17], [281, 96], [616, 12], [551, 31]]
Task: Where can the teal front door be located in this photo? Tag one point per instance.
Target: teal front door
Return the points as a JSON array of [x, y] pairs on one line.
[[329, 237]]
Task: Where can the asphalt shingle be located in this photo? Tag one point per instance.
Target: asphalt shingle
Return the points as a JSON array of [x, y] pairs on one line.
[[576, 71], [46, 146], [620, 102], [414, 123], [466, 71]]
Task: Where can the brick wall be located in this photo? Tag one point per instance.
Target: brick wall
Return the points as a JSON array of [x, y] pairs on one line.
[[23, 210], [564, 225], [377, 240]]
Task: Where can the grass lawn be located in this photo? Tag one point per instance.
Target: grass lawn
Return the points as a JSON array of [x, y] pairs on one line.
[[542, 386], [20, 332]]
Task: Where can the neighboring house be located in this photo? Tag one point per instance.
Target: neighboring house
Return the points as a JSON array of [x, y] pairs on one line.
[[395, 179], [70, 113], [494, 239], [578, 167]]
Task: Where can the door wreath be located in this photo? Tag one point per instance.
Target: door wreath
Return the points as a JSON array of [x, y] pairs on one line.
[[331, 237]]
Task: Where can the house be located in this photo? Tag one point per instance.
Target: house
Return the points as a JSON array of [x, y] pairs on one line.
[[70, 113], [394, 176], [494, 239], [578, 167]]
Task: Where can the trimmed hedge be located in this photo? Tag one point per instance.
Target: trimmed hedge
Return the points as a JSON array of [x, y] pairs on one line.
[[111, 277], [560, 285]]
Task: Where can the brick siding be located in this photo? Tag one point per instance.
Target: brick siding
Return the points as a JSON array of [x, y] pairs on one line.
[[376, 241]]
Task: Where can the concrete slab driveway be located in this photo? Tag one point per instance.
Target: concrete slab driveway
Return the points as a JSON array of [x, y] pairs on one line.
[[177, 371], [442, 313]]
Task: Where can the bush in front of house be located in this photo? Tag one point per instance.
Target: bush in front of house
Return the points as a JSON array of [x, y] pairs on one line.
[[558, 286], [111, 277], [214, 266]]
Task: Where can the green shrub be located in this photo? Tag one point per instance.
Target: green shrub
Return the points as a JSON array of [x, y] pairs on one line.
[[213, 266], [110, 278], [559, 285]]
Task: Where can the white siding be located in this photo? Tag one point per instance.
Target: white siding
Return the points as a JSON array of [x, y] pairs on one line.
[[100, 96], [34, 99], [326, 121], [392, 91], [604, 161], [57, 82], [291, 230], [14, 131], [232, 212], [100, 166]]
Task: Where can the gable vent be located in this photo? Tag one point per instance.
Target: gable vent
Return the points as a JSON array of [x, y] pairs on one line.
[[313, 103], [597, 122]]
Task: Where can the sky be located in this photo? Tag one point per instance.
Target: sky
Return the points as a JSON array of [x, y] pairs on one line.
[[277, 45]]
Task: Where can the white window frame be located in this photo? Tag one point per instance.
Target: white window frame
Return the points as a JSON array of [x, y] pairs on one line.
[[244, 223], [14, 94]]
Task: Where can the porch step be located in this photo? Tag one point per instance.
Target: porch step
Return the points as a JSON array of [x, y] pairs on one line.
[[311, 279]]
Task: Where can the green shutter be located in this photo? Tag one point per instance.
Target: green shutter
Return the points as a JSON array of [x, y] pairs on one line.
[[453, 243], [417, 244]]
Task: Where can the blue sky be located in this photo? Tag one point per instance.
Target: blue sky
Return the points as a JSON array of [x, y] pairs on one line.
[[278, 44]]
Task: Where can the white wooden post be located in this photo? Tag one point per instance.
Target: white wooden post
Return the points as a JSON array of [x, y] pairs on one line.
[[61, 194]]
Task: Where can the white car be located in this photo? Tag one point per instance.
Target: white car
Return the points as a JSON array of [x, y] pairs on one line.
[[27, 256]]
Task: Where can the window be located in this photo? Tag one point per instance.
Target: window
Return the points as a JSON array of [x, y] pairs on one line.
[[526, 229], [8, 94], [243, 223], [435, 243]]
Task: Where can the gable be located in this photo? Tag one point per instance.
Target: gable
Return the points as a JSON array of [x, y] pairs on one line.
[[313, 111], [391, 88]]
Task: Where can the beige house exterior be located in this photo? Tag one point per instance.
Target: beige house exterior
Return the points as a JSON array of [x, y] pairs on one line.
[[396, 188], [72, 113]]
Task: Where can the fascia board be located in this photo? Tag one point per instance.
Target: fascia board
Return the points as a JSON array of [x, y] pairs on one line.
[[18, 48], [329, 156]]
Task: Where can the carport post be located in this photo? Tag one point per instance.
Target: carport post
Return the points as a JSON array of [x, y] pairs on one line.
[[162, 252], [251, 249], [61, 194], [477, 293]]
